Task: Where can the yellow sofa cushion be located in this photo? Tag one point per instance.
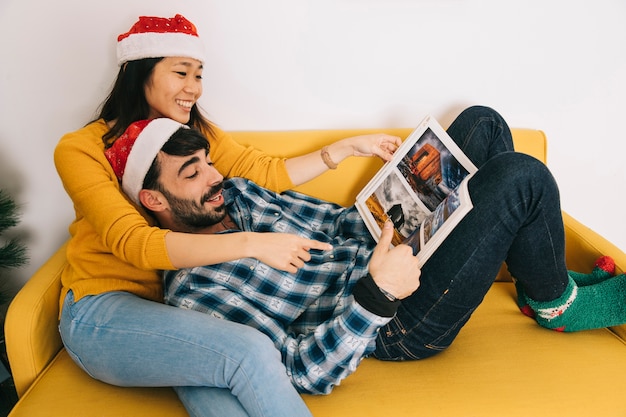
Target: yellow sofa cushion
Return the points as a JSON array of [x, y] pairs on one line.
[[65, 390], [502, 364]]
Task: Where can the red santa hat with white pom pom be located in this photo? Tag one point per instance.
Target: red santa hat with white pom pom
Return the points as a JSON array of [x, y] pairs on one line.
[[132, 154], [156, 37]]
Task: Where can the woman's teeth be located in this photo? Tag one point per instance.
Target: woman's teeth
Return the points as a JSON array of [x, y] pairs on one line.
[[185, 103]]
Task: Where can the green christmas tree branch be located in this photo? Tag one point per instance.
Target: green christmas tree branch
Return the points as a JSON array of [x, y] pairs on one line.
[[12, 253]]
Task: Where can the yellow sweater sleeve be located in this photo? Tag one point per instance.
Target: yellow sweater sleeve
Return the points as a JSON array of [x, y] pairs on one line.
[[112, 246], [232, 159]]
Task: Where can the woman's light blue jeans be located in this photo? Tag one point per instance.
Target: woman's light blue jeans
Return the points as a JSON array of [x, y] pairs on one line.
[[217, 368], [516, 218]]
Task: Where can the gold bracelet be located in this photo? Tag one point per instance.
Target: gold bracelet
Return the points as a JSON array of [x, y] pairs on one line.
[[326, 158]]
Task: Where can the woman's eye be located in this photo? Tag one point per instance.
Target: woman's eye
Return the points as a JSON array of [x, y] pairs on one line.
[[181, 73]]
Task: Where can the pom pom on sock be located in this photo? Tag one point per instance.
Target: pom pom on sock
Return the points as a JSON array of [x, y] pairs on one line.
[[603, 269], [606, 264]]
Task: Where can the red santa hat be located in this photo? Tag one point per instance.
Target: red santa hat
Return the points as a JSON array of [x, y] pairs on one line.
[[134, 151], [156, 37]]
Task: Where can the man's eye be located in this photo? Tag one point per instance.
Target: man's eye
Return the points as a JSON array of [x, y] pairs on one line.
[[192, 176]]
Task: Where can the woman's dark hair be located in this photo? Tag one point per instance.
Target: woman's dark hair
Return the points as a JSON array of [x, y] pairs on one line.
[[183, 142], [127, 101]]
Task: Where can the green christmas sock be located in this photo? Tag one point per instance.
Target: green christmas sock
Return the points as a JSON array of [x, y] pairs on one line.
[[603, 268], [583, 308]]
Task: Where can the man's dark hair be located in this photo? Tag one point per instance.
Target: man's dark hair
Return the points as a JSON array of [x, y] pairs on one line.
[[183, 142]]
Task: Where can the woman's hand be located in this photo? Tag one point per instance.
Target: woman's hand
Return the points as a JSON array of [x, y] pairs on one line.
[[284, 251], [306, 167], [378, 144]]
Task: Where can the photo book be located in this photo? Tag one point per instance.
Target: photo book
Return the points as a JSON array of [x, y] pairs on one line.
[[422, 190]]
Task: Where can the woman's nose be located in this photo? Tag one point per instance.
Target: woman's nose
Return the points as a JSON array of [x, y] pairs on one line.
[[193, 86]]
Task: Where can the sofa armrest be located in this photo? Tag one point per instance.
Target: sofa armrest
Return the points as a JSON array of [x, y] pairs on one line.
[[31, 326], [584, 246]]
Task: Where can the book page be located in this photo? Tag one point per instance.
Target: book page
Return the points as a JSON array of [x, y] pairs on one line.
[[438, 224]]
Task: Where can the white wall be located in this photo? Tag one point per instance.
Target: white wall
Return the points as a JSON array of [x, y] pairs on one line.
[[300, 64]]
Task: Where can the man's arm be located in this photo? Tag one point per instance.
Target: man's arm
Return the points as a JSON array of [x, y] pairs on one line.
[[322, 358]]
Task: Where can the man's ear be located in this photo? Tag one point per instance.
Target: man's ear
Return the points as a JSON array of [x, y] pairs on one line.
[[153, 200]]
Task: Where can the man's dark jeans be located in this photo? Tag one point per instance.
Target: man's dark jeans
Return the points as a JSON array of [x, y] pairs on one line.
[[516, 219]]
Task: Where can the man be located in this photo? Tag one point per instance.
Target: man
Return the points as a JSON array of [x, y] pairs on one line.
[[344, 303]]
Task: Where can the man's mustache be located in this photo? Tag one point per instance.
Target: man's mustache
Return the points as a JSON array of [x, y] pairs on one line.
[[212, 192]]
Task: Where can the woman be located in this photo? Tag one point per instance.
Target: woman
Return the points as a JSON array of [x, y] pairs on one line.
[[112, 321]]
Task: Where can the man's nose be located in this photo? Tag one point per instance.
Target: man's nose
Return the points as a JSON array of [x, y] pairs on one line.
[[213, 175]]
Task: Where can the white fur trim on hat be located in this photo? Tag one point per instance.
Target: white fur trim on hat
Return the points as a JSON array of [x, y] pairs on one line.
[[144, 150], [157, 45]]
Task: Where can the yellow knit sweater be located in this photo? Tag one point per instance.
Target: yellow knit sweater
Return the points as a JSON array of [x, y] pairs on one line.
[[114, 245]]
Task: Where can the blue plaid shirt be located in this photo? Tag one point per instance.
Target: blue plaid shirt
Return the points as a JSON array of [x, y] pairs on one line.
[[311, 316]]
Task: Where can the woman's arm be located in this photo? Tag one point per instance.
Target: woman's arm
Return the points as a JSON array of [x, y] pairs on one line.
[[117, 226], [283, 251], [306, 167], [277, 174]]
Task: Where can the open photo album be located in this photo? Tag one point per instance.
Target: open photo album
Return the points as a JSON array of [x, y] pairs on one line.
[[422, 190]]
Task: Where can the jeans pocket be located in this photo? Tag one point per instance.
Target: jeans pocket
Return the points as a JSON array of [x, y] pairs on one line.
[[396, 342]]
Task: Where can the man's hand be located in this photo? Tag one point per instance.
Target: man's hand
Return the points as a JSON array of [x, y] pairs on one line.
[[285, 251], [394, 270]]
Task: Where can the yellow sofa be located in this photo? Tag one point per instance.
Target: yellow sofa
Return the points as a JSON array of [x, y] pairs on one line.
[[502, 363]]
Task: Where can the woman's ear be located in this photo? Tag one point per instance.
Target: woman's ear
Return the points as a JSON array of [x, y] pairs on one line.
[[152, 200]]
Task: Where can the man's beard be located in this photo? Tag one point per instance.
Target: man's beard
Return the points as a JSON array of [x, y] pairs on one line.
[[194, 216]]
